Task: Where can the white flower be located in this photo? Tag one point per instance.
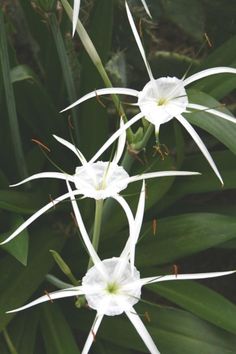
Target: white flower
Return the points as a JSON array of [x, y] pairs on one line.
[[94, 179], [113, 286], [76, 9], [164, 99]]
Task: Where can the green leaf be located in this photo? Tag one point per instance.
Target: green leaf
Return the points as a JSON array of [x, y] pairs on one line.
[[222, 129], [174, 332], [17, 283], [24, 329], [21, 73], [57, 334], [199, 300], [182, 235], [18, 247]]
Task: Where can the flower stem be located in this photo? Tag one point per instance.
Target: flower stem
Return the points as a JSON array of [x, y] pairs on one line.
[[142, 143], [8, 340], [66, 68], [96, 227]]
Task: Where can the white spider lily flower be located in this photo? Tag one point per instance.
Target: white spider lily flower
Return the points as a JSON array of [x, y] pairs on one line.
[[94, 179], [76, 9], [164, 99], [113, 286]]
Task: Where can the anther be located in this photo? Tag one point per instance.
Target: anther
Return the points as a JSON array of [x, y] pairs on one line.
[[48, 295], [208, 40], [41, 144], [175, 270], [154, 226], [99, 100]]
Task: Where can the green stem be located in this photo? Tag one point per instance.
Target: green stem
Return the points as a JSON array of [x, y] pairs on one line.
[[66, 69], [96, 227], [10, 102], [57, 282], [10, 345], [142, 143], [94, 56]]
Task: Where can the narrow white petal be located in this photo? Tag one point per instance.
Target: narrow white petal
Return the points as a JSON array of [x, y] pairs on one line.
[[92, 333], [200, 144], [138, 41], [74, 149], [120, 145], [115, 136], [195, 276], [126, 209], [37, 214], [49, 297], [146, 8], [142, 331], [58, 175], [75, 16], [208, 72], [212, 111], [105, 91], [96, 260], [161, 174], [138, 224]]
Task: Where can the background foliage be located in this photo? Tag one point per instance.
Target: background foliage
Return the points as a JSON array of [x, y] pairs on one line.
[[42, 71]]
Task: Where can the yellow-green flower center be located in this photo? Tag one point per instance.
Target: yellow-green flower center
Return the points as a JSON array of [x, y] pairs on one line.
[[112, 288], [162, 101]]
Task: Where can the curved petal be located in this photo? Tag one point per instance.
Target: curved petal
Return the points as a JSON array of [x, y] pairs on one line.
[[92, 334], [96, 260], [208, 72], [146, 8], [161, 174], [37, 214], [138, 41], [215, 112], [115, 136], [127, 210], [70, 146], [120, 145], [142, 331], [194, 276], [105, 91], [200, 144], [58, 175], [75, 15], [49, 297]]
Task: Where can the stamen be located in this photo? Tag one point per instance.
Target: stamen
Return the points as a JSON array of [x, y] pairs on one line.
[[52, 201], [154, 226], [99, 100], [41, 144], [162, 150], [70, 122], [175, 270], [147, 317], [48, 295], [94, 335], [208, 40]]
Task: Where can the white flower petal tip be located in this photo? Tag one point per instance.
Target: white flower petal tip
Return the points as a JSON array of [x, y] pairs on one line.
[[209, 72], [75, 15], [146, 8]]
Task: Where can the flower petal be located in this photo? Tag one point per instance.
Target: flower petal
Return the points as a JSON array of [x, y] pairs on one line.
[[105, 91], [161, 174], [194, 276], [212, 111], [127, 210], [75, 15], [92, 333], [146, 8], [120, 145], [142, 331], [49, 297], [96, 260], [37, 214], [58, 175], [115, 136], [200, 144], [208, 72], [138, 41], [74, 149]]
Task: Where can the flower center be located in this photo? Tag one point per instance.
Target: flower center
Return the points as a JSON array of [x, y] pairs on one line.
[[162, 101], [112, 288]]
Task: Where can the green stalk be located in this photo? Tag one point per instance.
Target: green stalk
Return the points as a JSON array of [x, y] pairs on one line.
[[96, 227], [66, 69], [10, 102], [10, 345], [57, 282], [142, 143], [94, 56]]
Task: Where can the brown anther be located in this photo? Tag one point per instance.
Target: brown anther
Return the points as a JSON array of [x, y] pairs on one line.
[[162, 150], [208, 40], [74, 219], [52, 201], [94, 335], [154, 226], [99, 100], [41, 144], [175, 270], [140, 28], [48, 295], [147, 317]]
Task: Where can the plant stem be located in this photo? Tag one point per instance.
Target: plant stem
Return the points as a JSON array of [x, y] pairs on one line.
[[142, 143], [66, 69], [10, 102], [96, 227], [10, 345], [57, 282]]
